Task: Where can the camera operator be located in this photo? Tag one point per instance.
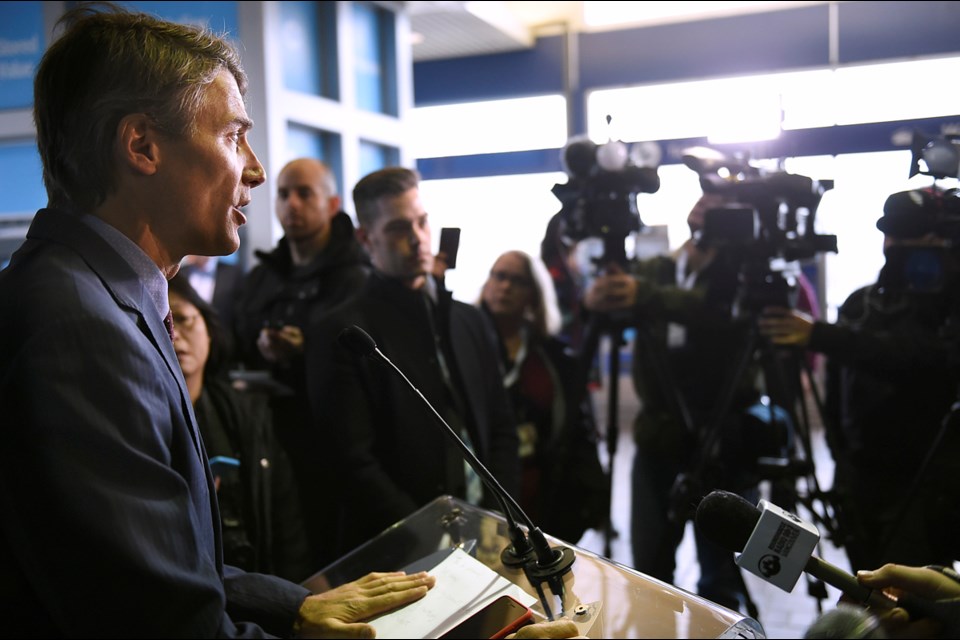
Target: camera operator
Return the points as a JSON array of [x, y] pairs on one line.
[[891, 381], [687, 342]]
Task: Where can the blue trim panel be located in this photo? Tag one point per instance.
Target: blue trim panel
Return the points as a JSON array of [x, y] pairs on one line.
[[752, 43], [490, 164], [878, 30], [537, 71]]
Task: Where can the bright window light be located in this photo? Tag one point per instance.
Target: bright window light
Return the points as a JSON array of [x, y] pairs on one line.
[[489, 127], [808, 98], [731, 109], [753, 115], [657, 112], [897, 91], [525, 204]]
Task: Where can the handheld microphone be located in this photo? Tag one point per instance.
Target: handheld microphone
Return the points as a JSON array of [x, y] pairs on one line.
[[730, 521], [548, 562], [845, 622]]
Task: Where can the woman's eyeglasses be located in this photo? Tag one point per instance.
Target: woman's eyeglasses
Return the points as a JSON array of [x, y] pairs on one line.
[[515, 279]]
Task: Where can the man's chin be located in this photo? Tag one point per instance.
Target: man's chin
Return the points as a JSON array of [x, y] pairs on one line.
[[230, 244], [225, 248], [418, 270], [412, 279]]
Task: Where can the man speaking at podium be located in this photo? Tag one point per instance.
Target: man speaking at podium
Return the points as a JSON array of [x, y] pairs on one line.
[[110, 517], [393, 457]]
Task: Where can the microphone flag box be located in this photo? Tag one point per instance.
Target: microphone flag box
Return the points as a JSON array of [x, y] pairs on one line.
[[779, 547]]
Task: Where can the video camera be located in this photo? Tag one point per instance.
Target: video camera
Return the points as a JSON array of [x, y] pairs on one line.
[[599, 199], [767, 215], [766, 224]]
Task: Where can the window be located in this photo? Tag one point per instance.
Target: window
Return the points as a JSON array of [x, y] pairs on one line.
[[22, 42], [489, 127], [374, 37], [375, 156], [308, 41], [755, 107], [495, 214], [21, 169]]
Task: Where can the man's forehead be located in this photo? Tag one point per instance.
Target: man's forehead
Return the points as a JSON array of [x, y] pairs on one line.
[[223, 97], [286, 181], [301, 172], [402, 218], [405, 206]]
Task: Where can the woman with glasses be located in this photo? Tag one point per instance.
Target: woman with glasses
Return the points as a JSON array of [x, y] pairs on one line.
[[563, 487]]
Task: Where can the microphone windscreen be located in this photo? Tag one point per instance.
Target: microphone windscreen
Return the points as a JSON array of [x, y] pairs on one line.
[[357, 340], [726, 519], [846, 622]]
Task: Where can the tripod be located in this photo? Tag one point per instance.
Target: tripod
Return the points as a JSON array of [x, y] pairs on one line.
[[781, 371], [599, 325]]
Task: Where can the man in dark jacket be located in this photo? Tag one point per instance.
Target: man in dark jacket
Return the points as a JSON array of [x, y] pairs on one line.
[[891, 391], [316, 266], [386, 444]]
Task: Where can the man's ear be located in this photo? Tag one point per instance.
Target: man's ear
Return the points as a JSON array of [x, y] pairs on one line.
[[363, 237], [137, 146], [335, 203]]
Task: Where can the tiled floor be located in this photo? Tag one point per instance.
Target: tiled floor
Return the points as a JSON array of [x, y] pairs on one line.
[[782, 615]]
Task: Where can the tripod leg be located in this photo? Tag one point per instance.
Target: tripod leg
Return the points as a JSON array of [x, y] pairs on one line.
[[786, 391], [687, 488], [613, 432]]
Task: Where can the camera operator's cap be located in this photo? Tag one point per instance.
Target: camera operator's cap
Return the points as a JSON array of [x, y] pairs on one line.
[[909, 214]]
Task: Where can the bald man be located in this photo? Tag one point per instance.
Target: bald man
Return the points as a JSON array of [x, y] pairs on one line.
[[317, 265]]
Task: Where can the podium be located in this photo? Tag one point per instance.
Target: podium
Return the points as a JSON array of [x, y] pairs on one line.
[[631, 604]]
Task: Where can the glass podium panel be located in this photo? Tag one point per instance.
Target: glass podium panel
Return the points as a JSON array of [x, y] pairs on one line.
[[628, 604]]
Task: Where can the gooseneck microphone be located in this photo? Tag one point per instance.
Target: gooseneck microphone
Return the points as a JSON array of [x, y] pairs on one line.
[[533, 553], [730, 521]]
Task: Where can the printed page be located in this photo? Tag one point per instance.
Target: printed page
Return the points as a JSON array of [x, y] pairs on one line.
[[464, 586]]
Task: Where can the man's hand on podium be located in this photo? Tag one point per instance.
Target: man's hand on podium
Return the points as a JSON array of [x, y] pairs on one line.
[[557, 629], [337, 613]]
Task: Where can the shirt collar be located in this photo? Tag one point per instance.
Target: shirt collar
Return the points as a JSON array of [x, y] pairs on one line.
[[147, 270]]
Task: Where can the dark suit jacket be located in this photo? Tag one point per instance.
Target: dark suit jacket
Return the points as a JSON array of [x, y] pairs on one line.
[[392, 455], [109, 516]]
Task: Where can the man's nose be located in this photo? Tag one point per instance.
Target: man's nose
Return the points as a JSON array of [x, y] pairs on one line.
[[254, 174]]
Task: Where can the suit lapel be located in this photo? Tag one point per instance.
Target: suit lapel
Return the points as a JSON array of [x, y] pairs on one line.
[[124, 286]]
